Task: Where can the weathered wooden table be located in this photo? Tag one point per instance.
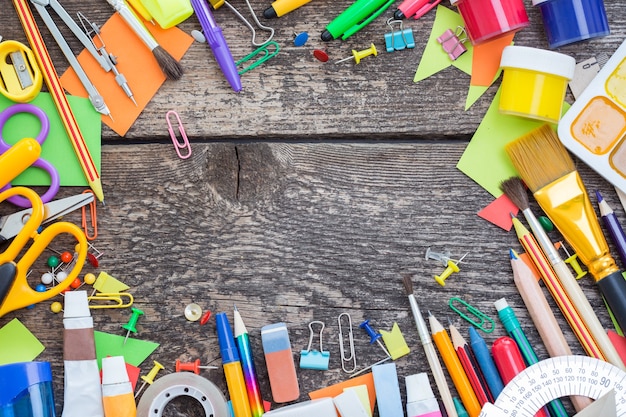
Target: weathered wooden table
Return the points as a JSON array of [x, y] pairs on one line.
[[309, 194]]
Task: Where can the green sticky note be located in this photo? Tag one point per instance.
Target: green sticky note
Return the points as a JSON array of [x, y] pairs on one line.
[[57, 149], [18, 343], [434, 58], [135, 351], [485, 160]]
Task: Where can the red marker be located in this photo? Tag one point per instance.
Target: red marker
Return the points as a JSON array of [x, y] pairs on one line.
[[509, 362]]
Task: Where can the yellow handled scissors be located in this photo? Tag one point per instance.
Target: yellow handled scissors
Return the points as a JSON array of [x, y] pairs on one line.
[[15, 291]]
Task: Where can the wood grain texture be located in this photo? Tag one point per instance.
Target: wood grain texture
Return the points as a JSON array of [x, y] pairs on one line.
[[293, 233], [294, 96]]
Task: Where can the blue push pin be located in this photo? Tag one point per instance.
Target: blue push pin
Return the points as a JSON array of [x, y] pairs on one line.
[[301, 39], [374, 336]]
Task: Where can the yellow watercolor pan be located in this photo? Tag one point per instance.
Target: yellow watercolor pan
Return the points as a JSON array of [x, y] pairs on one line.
[[594, 128]]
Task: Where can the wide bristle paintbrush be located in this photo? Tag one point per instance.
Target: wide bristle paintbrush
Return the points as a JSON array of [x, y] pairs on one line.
[[549, 172], [170, 67], [563, 286]]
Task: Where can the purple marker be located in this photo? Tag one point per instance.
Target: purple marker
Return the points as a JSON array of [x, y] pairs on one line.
[[215, 39]]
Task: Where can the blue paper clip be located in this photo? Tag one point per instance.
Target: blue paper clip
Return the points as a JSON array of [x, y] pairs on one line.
[[481, 317], [314, 359], [400, 39], [183, 143]]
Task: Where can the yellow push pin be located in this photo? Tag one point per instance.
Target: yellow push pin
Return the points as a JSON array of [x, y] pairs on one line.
[[359, 55], [572, 260], [452, 267], [149, 379]]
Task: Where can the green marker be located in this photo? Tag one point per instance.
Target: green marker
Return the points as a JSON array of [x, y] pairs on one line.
[[354, 18]]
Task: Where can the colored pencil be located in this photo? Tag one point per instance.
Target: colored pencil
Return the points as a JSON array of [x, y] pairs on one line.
[[473, 373], [51, 78]]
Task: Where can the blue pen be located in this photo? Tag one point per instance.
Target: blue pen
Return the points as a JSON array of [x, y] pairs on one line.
[[215, 39], [514, 329], [486, 363], [355, 18]]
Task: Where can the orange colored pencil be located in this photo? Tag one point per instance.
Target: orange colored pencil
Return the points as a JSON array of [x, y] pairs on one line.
[[51, 78]]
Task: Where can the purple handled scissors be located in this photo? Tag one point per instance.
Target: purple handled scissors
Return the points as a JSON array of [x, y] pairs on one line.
[[39, 163]]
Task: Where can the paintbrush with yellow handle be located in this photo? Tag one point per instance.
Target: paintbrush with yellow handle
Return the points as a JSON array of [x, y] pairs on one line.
[[549, 172]]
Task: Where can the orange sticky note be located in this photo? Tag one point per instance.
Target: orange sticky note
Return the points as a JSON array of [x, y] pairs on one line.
[[486, 60], [336, 389], [135, 61], [499, 212]]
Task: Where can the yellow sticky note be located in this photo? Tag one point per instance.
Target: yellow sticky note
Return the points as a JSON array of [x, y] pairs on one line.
[[107, 284], [18, 343], [394, 340], [361, 392]]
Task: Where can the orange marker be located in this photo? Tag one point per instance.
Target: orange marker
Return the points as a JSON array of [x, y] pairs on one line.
[[58, 96], [455, 369]]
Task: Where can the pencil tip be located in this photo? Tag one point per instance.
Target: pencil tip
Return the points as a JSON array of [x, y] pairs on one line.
[[599, 196], [512, 254]]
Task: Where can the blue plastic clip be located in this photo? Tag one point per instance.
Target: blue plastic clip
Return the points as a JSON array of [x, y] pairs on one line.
[[481, 317], [314, 359], [400, 39]]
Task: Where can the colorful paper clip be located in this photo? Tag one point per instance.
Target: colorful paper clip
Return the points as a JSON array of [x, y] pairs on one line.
[[314, 359], [216, 4], [481, 317], [400, 39], [85, 223], [183, 143], [266, 54], [452, 43], [111, 300]]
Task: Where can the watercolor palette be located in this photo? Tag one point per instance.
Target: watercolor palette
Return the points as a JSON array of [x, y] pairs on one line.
[[594, 128]]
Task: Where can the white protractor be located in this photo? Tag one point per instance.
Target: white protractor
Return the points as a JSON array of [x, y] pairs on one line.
[[558, 377]]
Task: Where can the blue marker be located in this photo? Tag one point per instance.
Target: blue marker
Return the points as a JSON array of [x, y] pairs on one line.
[[486, 363]]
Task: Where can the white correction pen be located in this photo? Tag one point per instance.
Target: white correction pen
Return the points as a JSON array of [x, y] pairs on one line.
[[420, 400]]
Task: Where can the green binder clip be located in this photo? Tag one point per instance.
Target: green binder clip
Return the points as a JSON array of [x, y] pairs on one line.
[[479, 318], [315, 359]]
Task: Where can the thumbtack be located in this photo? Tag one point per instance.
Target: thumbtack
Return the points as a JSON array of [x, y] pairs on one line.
[[149, 379], [191, 366], [374, 336], [300, 38], [451, 267], [572, 260], [442, 257], [132, 322], [359, 55]]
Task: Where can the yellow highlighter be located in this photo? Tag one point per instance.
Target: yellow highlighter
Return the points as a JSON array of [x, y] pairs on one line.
[[167, 13], [17, 158]]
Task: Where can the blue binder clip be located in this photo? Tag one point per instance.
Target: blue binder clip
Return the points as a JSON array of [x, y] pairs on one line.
[[399, 39], [315, 359]]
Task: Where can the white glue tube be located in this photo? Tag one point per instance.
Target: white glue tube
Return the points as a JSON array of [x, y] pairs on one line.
[[82, 388], [117, 391], [420, 400]]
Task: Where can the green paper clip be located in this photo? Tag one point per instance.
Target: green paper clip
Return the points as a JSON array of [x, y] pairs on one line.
[[261, 50], [482, 317]]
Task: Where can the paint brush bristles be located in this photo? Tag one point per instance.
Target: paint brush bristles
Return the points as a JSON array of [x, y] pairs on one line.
[[540, 158]]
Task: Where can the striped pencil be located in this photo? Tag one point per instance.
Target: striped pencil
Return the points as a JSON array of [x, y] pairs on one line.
[[51, 78]]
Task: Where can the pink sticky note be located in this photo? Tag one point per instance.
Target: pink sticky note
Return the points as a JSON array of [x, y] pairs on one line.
[[499, 212]]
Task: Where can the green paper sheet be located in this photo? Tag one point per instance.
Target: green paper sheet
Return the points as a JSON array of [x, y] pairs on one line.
[[57, 148], [18, 343], [135, 351], [484, 159]]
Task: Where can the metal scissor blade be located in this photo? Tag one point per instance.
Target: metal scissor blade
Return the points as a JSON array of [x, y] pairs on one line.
[[11, 225]]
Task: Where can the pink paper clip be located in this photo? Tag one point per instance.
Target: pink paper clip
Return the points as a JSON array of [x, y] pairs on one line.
[[183, 143], [452, 44]]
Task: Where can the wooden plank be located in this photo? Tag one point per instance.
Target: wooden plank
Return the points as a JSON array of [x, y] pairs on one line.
[[294, 96], [293, 233]]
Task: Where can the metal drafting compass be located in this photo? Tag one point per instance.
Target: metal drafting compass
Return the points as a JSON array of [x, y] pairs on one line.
[[558, 377]]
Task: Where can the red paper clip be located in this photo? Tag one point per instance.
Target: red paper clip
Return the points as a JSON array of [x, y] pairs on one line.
[[94, 219]]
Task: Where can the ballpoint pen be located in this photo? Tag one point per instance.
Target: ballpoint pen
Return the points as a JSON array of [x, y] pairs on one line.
[[232, 367], [429, 349], [247, 364], [414, 8], [215, 39], [354, 18]]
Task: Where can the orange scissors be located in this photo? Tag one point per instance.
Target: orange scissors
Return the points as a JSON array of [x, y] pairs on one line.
[[15, 291]]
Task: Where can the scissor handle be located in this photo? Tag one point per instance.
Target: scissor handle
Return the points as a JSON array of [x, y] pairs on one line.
[[20, 293], [39, 163]]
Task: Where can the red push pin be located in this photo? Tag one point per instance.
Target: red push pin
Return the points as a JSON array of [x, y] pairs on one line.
[[191, 366]]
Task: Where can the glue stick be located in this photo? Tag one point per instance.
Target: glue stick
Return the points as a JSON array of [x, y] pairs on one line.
[[117, 391]]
